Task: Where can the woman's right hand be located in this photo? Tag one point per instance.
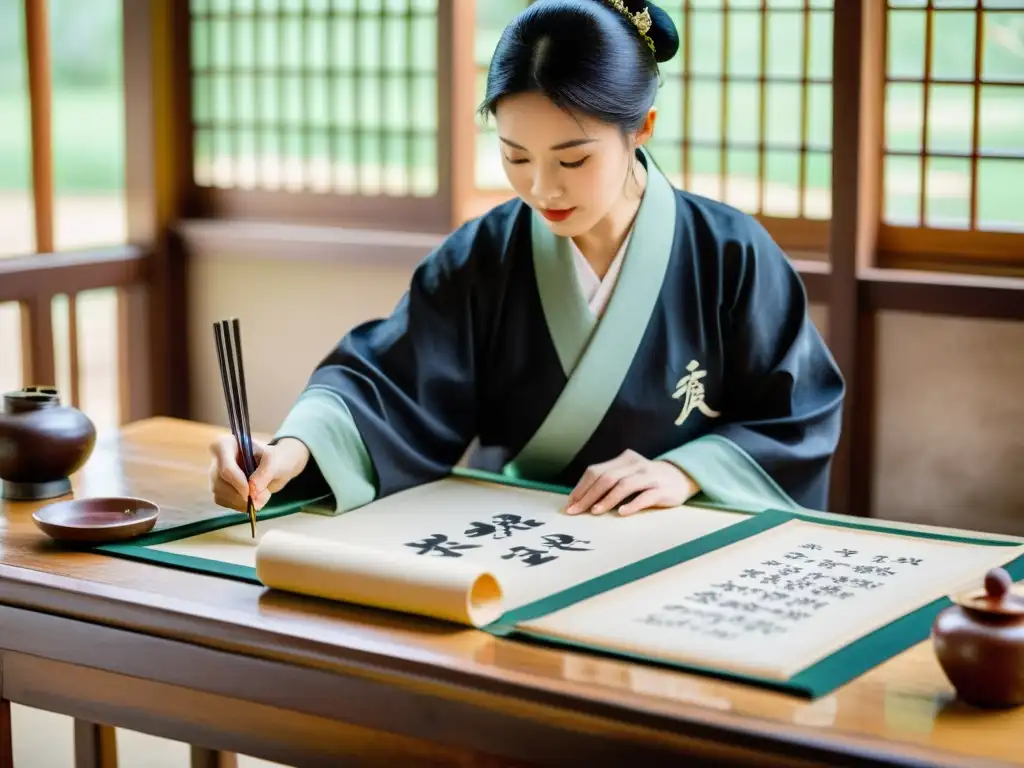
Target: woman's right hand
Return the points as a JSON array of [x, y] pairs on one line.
[[276, 465]]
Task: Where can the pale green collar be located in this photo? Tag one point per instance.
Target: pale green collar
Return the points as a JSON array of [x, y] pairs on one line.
[[596, 354]]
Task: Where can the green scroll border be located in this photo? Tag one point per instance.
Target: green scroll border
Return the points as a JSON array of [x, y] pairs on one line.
[[813, 682]]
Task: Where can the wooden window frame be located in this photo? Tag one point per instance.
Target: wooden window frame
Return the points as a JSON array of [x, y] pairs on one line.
[[428, 214], [962, 251]]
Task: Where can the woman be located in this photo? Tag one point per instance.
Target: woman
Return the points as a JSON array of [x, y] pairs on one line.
[[602, 330]]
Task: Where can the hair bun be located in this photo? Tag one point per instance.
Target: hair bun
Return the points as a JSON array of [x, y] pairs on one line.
[[663, 33]]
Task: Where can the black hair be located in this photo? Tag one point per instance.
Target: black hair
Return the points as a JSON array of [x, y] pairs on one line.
[[584, 55]]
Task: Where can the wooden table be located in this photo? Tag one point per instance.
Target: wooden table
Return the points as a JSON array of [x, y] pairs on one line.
[[223, 666]]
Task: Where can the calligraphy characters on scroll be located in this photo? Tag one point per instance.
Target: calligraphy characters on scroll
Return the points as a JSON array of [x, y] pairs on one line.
[[779, 593], [536, 550], [438, 543], [501, 526]]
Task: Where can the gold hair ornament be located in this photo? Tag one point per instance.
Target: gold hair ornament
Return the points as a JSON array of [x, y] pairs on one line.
[[641, 20]]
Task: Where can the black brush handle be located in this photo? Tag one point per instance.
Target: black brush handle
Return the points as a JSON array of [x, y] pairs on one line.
[[224, 379], [244, 413], [227, 379]]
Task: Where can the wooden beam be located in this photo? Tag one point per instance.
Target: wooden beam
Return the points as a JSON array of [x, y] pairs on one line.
[[816, 276], [206, 239], [857, 67], [457, 29], [28, 277], [941, 293], [409, 214], [798, 235], [961, 246]]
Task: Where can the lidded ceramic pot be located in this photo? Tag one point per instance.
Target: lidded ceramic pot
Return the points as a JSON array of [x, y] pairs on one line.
[[979, 642], [42, 443]]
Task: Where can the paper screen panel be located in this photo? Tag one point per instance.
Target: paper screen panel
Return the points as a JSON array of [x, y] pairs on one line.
[[520, 536], [775, 603]]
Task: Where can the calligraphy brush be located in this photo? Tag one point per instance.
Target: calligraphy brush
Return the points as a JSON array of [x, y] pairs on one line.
[[232, 377]]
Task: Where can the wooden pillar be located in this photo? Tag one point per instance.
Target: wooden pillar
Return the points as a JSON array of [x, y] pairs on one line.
[[858, 59], [158, 162], [456, 25], [36, 321]]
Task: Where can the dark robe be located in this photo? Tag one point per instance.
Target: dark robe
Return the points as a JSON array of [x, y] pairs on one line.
[[705, 357]]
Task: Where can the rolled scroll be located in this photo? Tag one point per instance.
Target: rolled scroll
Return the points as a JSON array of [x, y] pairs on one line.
[[444, 588]]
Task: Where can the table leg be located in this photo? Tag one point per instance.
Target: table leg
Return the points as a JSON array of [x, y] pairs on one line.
[[6, 738], [95, 745], [210, 758]]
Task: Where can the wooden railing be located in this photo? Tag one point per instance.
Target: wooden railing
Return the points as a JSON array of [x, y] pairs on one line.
[[34, 282]]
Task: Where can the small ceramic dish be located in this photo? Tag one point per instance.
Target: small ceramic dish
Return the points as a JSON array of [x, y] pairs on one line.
[[99, 520]]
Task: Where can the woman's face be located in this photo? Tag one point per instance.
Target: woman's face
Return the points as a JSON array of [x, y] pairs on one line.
[[572, 169]]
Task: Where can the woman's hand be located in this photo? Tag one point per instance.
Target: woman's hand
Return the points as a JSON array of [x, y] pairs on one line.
[[275, 466], [650, 484]]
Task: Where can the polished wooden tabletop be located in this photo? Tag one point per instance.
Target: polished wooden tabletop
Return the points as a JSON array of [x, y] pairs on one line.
[[903, 707]]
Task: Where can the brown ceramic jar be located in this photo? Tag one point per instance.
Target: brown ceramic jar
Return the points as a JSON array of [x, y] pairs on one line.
[[979, 643], [41, 444]]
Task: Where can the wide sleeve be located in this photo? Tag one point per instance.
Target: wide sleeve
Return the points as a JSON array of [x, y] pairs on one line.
[[784, 391], [394, 404]]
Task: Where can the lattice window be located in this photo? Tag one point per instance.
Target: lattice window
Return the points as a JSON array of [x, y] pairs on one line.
[[328, 96], [954, 127], [746, 109]]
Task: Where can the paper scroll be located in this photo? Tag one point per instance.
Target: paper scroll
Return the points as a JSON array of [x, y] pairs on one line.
[[777, 602], [336, 570], [776, 596]]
